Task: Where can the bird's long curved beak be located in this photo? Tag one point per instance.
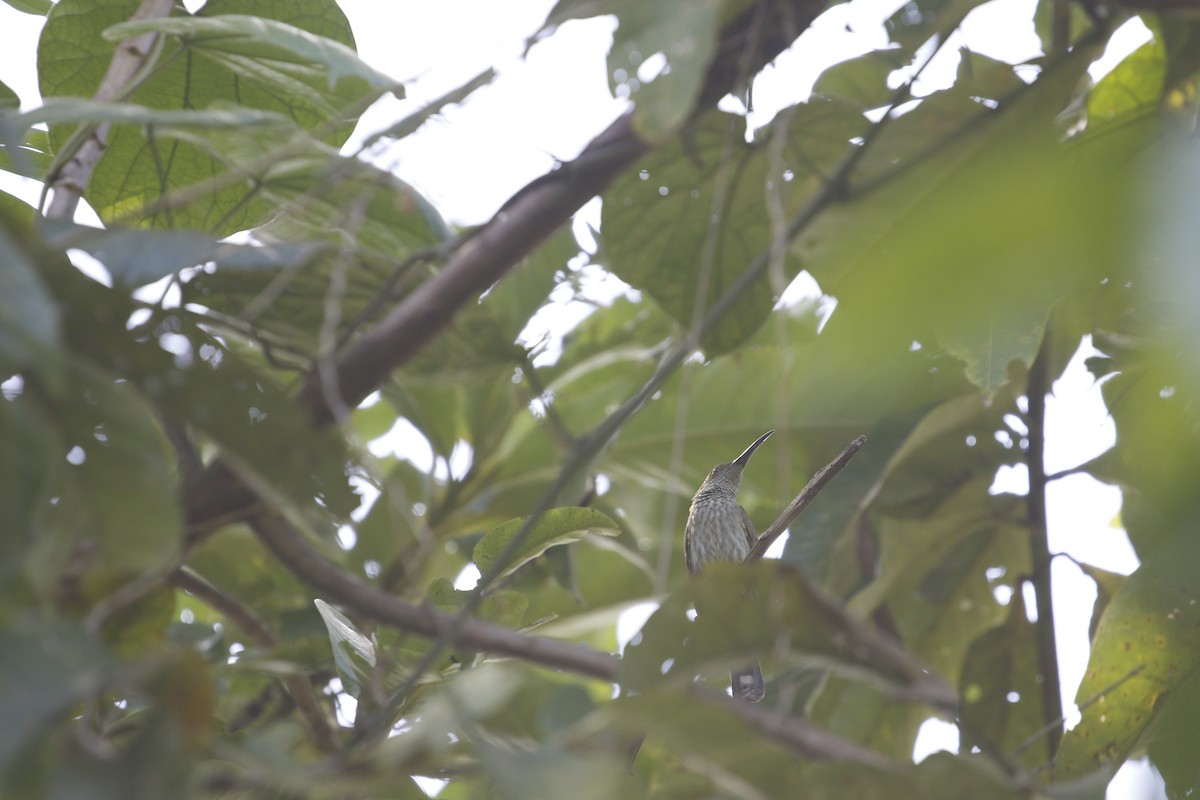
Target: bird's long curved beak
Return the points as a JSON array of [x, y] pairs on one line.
[[744, 458]]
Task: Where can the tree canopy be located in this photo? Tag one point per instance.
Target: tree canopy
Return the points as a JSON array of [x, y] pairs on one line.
[[211, 587]]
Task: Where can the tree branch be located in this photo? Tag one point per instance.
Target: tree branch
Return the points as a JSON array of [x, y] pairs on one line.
[[862, 638], [533, 213], [802, 501], [298, 686], [129, 58], [231, 608], [528, 217], [806, 739], [1036, 391], [305, 563], [340, 586]]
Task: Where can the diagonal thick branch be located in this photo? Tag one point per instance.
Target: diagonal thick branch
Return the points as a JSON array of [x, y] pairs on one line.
[[293, 551], [747, 43], [287, 543]]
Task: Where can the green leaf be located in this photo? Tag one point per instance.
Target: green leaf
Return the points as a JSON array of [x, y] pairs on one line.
[[1152, 401], [735, 757], [29, 315], [682, 31], [928, 255], [258, 47], [9, 99], [37, 7], [194, 378], [27, 155], [658, 225], [352, 649], [915, 460], [29, 451], [732, 612], [48, 667], [915, 23], [1131, 90], [939, 775], [137, 257], [137, 167], [861, 81], [115, 485], [484, 334], [370, 219], [1171, 738], [557, 526], [1001, 694], [936, 590], [60, 110], [988, 346], [1147, 646], [505, 607], [1108, 584]]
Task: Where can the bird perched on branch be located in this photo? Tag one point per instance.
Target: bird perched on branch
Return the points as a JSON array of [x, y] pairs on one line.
[[718, 529]]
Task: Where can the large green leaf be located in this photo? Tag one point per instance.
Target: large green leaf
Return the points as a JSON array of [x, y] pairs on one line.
[[1147, 648], [37, 7], [732, 612], [195, 379], [686, 222], [1131, 90], [368, 219], [115, 487], [929, 255], [268, 50], [937, 576], [138, 168], [136, 257], [30, 451], [912, 461], [1001, 693], [47, 669], [29, 317]]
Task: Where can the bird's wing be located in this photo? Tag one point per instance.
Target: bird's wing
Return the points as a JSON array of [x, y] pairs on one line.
[[687, 547], [748, 528]]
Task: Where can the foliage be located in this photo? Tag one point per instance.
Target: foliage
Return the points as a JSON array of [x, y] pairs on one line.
[[156, 640]]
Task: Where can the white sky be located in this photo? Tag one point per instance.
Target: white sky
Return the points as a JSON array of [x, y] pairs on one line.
[[472, 158]]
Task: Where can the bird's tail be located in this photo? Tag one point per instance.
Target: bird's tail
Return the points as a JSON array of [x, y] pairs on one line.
[[748, 684]]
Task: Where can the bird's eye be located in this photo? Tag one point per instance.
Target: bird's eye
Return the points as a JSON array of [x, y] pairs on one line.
[[714, 472]]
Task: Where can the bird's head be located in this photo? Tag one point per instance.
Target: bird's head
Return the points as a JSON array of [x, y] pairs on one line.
[[728, 477]]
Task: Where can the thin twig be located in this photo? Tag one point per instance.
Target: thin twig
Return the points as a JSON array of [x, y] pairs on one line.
[[298, 686], [802, 500], [231, 608], [806, 739], [331, 319], [541, 394]]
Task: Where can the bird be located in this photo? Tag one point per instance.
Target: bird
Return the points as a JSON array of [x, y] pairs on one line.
[[718, 529]]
